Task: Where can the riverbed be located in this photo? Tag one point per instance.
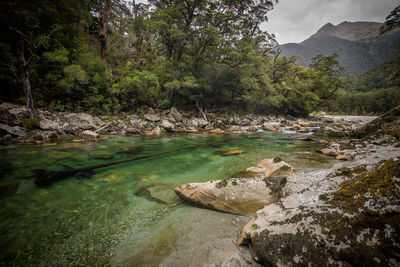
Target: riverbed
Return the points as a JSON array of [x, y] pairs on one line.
[[128, 214]]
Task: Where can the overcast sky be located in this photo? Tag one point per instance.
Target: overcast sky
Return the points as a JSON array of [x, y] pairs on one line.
[[293, 21]]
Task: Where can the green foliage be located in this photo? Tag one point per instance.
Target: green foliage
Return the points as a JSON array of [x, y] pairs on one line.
[[30, 123], [186, 54]]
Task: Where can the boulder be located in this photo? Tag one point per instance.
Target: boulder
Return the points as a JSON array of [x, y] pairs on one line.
[[272, 167], [167, 125], [174, 113], [234, 195], [46, 124], [83, 121], [15, 131], [12, 114], [198, 122], [151, 117]]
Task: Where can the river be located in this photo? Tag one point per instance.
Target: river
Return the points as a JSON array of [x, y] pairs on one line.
[[128, 214]]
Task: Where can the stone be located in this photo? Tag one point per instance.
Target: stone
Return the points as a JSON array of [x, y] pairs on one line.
[[216, 131], [99, 154], [275, 166], [158, 192], [174, 113], [12, 114], [167, 125], [329, 151], [83, 121], [343, 157], [46, 124], [198, 122], [15, 131], [235, 195], [271, 126], [152, 117], [155, 131], [88, 133], [228, 152], [302, 130]]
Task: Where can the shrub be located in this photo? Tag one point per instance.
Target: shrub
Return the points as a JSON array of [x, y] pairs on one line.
[[30, 123]]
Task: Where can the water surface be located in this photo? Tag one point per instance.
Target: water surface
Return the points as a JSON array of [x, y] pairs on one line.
[[126, 214]]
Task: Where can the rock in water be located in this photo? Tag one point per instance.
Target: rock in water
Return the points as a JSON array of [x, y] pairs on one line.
[[228, 152], [234, 195], [272, 167]]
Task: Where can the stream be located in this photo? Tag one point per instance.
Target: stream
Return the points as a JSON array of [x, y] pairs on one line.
[[128, 214]]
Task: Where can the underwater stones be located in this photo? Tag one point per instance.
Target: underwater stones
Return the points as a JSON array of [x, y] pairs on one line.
[[102, 154], [8, 188], [112, 178], [228, 152], [272, 167], [216, 131], [160, 193], [234, 195]]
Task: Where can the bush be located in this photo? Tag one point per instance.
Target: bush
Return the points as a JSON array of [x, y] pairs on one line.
[[30, 123]]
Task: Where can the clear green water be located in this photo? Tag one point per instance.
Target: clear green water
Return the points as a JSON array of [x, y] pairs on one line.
[[87, 221]]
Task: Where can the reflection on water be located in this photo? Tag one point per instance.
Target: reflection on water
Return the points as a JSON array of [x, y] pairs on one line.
[[85, 221]]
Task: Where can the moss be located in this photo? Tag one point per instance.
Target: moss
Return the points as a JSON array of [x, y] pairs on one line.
[[255, 227], [378, 183]]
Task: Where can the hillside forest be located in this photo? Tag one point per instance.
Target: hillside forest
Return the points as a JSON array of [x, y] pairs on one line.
[[112, 56]]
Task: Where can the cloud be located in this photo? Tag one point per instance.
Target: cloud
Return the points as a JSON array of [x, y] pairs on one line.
[[296, 20]]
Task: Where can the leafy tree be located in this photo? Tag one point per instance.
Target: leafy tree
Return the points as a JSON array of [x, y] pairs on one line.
[[392, 20]]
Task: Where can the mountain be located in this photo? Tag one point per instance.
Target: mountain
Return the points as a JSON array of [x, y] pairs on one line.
[[358, 44]]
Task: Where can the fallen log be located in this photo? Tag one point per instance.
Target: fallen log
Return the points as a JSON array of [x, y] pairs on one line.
[[47, 177]]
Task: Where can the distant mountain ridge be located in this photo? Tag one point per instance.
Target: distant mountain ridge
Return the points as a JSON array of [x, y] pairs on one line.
[[358, 44]]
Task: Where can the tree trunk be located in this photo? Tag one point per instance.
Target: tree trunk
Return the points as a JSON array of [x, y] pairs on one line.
[[51, 105], [103, 33], [25, 81]]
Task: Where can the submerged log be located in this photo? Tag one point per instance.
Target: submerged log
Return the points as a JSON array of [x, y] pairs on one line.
[[47, 177]]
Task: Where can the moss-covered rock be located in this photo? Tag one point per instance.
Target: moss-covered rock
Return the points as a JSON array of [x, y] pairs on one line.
[[349, 218]]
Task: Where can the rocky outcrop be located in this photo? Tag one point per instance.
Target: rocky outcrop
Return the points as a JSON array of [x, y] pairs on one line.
[[347, 218], [83, 121], [272, 167], [235, 195]]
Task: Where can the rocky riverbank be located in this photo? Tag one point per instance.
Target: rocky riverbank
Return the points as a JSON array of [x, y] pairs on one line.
[[15, 125], [347, 215]]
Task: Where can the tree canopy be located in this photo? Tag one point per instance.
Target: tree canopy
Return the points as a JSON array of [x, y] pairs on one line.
[[109, 56]]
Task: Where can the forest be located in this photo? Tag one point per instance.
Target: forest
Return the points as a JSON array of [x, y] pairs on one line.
[[113, 56]]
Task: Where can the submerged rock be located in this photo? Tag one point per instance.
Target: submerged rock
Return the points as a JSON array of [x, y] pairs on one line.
[[229, 152], [272, 167], [234, 195]]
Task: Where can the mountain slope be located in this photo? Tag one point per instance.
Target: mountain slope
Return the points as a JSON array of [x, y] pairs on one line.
[[358, 44]]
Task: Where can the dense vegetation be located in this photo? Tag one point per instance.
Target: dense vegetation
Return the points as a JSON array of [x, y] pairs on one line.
[[109, 56], [373, 92], [112, 56]]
